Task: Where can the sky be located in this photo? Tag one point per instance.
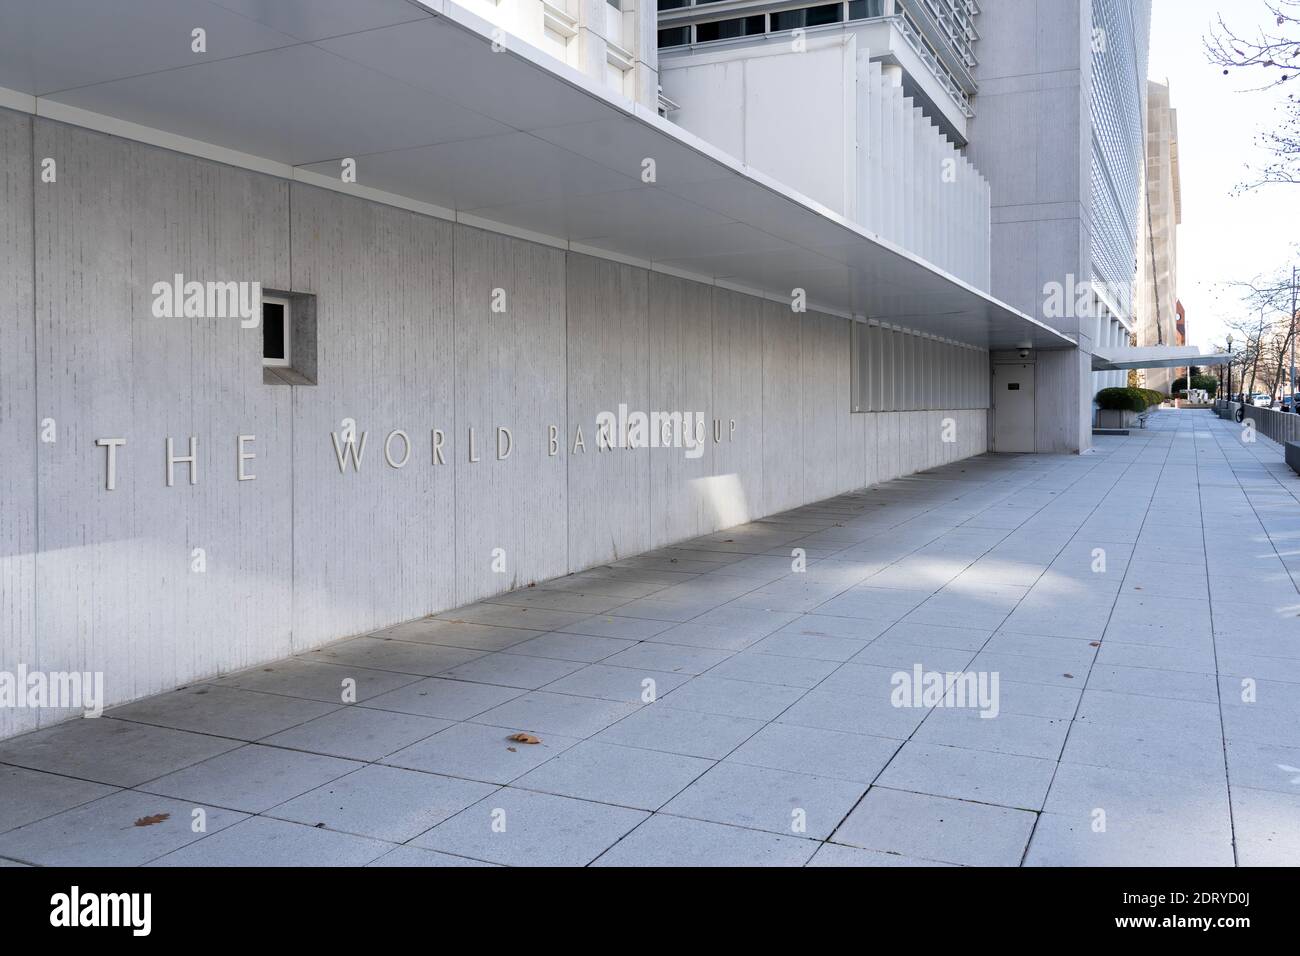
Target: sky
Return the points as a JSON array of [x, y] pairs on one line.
[[1223, 237]]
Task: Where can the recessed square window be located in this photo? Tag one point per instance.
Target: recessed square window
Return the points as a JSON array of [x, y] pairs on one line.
[[277, 331], [288, 337]]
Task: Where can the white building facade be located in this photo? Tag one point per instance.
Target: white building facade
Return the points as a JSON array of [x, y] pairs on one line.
[[1162, 213], [315, 321]]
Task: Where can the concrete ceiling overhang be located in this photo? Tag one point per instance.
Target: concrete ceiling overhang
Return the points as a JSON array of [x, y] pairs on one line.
[[415, 93], [1156, 357]]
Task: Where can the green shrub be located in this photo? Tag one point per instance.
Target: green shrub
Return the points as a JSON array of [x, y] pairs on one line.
[[1206, 382], [1128, 399]]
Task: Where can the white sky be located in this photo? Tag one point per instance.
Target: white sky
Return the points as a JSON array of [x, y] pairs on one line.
[[1223, 237]]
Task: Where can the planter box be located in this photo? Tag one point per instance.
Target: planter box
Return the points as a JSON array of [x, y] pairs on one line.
[[1112, 419], [1293, 456]]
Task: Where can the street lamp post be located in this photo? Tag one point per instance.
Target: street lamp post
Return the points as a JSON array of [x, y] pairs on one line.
[[1229, 370]]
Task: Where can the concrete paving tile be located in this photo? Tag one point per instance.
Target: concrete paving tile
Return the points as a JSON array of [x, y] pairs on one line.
[[853, 711], [622, 628], [513, 670], [732, 698], [672, 658], [789, 644], [1264, 766], [1030, 670], [833, 854], [663, 727], [544, 712], [1073, 651], [1016, 734], [259, 841], [1038, 700], [529, 618], [626, 684], [1181, 685], [1143, 748], [526, 828], [558, 600], [116, 752], [609, 773], [222, 711], [412, 856], [399, 657], [1072, 841], [795, 804], [769, 669], [1195, 718], [386, 803], [315, 681], [446, 699], [484, 638], [696, 634], [676, 841], [30, 795], [358, 733], [823, 625], [933, 635], [980, 776], [937, 828], [1175, 804], [1267, 826], [105, 832], [1197, 659], [251, 779], [582, 648], [900, 656], [816, 751], [479, 752]]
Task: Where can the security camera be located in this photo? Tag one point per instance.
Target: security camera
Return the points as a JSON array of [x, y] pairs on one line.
[[1024, 353]]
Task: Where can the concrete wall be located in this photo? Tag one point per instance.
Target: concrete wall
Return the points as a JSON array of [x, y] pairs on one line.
[[826, 122], [92, 579], [1031, 138]]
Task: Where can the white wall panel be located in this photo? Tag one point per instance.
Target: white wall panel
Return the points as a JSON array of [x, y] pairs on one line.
[[18, 411], [681, 380], [509, 370], [608, 365]]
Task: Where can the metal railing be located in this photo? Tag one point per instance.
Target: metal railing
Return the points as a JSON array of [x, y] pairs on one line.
[[1282, 427]]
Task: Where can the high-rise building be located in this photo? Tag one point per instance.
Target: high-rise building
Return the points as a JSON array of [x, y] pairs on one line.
[[1058, 132], [1160, 317], [1035, 108]]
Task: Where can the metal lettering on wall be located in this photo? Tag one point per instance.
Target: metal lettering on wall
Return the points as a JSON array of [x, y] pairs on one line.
[[626, 430]]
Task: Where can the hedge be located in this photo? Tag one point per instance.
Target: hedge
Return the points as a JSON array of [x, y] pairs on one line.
[[1128, 399]]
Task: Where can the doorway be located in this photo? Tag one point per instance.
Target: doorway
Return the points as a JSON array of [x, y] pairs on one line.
[[1013, 408]]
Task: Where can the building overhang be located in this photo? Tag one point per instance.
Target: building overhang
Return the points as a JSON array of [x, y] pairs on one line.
[[1161, 356], [439, 121]]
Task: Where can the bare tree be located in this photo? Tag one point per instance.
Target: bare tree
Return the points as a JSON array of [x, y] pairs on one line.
[[1272, 52]]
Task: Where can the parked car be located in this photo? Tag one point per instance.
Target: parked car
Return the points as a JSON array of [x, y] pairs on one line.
[[1288, 403]]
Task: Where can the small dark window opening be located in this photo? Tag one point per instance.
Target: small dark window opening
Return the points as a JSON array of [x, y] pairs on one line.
[[674, 36], [728, 29], [275, 332], [807, 17]]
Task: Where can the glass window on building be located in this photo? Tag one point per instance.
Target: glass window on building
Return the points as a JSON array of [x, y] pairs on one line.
[[808, 17], [674, 36], [728, 29], [866, 9]]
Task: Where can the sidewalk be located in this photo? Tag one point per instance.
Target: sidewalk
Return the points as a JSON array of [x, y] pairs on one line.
[[1136, 610]]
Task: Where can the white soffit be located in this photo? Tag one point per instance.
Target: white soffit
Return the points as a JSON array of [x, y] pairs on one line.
[[415, 94], [1166, 356]]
